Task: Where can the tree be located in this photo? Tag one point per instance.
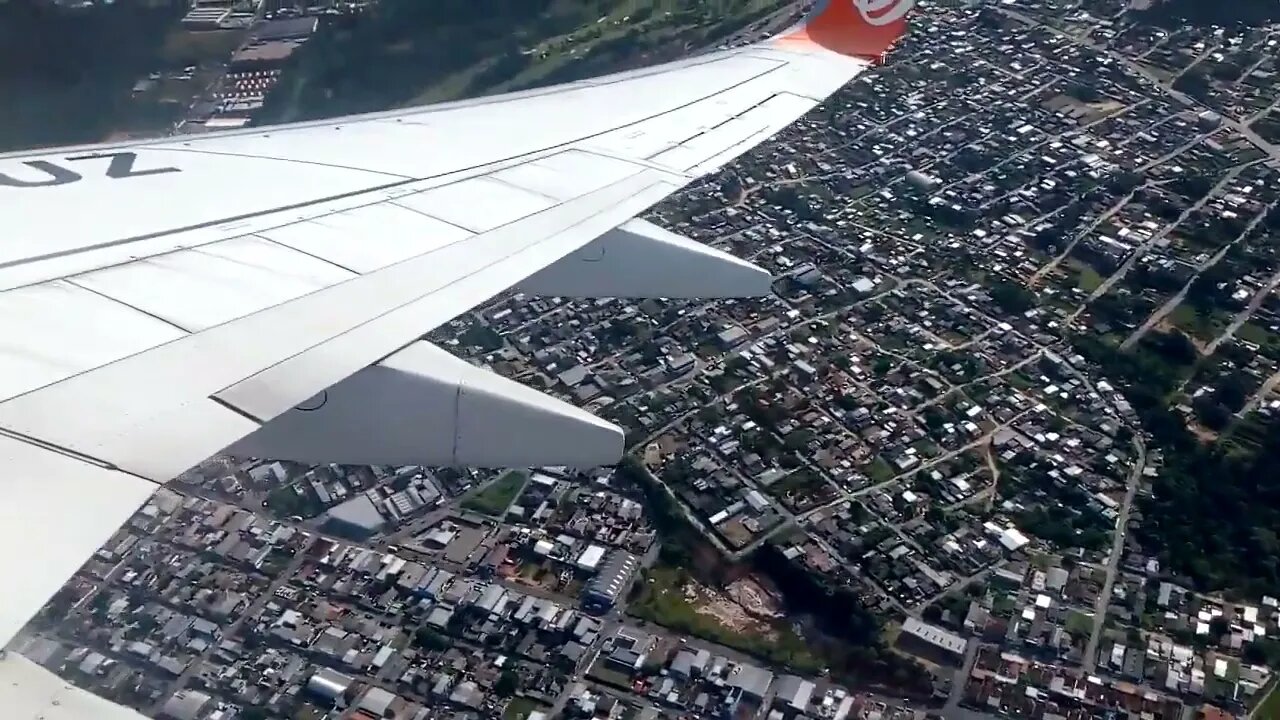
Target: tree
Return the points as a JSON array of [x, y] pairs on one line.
[[1211, 413], [428, 639], [1265, 651], [1174, 347], [798, 439], [1012, 297], [1084, 93], [508, 683]]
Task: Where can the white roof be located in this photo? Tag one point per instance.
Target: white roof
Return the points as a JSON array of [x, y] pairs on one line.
[[590, 558], [1013, 539], [934, 635]]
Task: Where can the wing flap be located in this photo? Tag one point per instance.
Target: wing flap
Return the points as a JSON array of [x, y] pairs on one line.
[[57, 511], [368, 238], [641, 260], [197, 289], [55, 330], [30, 691]]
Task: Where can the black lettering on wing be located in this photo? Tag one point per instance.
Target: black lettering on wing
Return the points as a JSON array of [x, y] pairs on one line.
[[57, 175], [122, 165]]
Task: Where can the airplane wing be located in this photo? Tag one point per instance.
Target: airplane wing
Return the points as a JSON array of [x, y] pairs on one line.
[[265, 292]]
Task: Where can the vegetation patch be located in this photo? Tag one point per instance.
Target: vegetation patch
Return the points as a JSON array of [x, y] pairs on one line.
[[1258, 335], [1078, 623], [1089, 279], [669, 598], [880, 470], [520, 709], [295, 500], [1199, 485], [494, 499]]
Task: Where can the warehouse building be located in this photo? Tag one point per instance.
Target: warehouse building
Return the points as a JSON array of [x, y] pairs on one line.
[[609, 585]]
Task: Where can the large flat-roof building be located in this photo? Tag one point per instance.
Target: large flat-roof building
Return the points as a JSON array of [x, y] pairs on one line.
[[931, 642], [357, 518], [612, 581]]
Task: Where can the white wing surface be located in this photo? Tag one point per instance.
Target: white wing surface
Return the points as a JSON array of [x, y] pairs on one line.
[[265, 292]]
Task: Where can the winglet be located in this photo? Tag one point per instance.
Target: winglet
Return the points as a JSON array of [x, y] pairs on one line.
[[858, 28]]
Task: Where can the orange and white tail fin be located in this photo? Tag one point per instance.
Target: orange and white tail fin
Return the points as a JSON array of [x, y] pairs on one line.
[[858, 28]]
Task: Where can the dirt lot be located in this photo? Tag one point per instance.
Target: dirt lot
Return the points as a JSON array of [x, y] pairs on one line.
[[754, 598], [727, 611]]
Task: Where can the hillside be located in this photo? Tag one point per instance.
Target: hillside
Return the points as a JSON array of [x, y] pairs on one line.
[[65, 75], [405, 51]]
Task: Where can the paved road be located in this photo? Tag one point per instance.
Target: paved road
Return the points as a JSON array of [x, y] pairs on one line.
[[1140, 69], [1142, 249], [1173, 302], [1243, 316], [1117, 552], [960, 679], [1261, 395]]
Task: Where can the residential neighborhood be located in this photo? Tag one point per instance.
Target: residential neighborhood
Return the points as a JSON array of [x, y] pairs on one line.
[[1026, 283]]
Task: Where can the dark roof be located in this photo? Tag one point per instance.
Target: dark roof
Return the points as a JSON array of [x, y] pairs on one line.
[[288, 29]]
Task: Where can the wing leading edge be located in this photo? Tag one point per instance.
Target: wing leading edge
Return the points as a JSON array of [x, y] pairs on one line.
[[152, 335]]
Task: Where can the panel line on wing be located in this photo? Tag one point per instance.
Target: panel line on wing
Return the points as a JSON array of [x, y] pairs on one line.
[[99, 293], [503, 181], [417, 211], [295, 248], [237, 410], [185, 148], [211, 223], [718, 126], [45, 445]]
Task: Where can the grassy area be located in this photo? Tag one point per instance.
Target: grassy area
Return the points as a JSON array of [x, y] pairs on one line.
[[662, 601], [1199, 324], [1003, 605], [293, 500], [520, 708], [1256, 334], [1078, 623], [1020, 381], [1184, 316], [494, 498], [1269, 708], [880, 470], [1088, 279], [183, 47], [925, 447]]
